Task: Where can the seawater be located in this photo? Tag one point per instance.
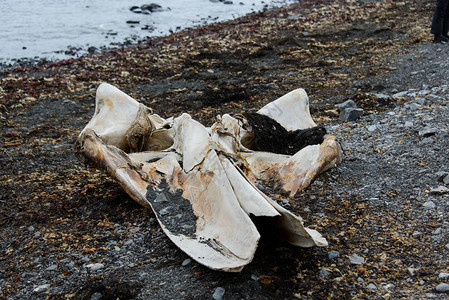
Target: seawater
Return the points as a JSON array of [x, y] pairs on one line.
[[57, 29]]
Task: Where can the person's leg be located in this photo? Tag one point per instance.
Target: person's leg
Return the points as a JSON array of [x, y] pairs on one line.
[[446, 22], [438, 21]]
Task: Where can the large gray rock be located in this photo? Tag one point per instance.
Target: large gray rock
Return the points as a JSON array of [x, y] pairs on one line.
[[351, 114]]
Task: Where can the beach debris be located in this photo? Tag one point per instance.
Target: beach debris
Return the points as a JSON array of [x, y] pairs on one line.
[[201, 183]]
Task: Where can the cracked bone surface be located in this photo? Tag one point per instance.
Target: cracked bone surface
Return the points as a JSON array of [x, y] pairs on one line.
[[201, 182]]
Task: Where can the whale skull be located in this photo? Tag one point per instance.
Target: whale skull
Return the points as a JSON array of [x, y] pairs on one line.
[[201, 182]]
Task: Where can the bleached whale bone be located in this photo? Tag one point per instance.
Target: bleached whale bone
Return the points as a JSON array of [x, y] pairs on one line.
[[198, 181]]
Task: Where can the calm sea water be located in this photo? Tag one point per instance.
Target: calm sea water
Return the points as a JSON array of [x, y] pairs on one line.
[[55, 29]]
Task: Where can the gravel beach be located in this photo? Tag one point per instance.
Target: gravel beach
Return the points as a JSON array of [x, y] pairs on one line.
[[70, 232]]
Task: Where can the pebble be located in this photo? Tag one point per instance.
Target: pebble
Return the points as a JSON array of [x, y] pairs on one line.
[[443, 275], [429, 204], [445, 179], [400, 94], [442, 288], [439, 190], [52, 268], [219, 293], [254, 277], [390, 286], [186, 262], [356, 260], [416, 234], [372, 128], [408, 124], [323, 273], [95, 267], [31, 229], [428, 131], [371, 287], [134, 230], [411, 271], [333, 254], [437, 231], [96, 296], [41, 288]]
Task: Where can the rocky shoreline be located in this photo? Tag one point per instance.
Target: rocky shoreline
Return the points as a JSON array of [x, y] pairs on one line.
[[71, 233]]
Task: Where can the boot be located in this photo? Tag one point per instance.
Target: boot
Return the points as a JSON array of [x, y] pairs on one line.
[[439, 38]]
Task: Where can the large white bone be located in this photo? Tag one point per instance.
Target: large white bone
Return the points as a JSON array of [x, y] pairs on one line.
[[190, 176], [290, 110]]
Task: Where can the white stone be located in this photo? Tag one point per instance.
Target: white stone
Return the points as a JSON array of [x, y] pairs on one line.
[[356, 259], [429, 204], [95, 267], [442, 288], [41, 288]]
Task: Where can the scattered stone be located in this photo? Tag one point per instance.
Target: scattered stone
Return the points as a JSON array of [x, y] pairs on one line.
[[153, 7], [323, 273], [96, 296], [389, 286], [416, 234], [382, 96], [428, 131], [441, 174], [439, 190], [442, 288], [333, 254], [356, 260], [400, 94], [31, 229], [447, 246], [429, 204], [420, 100], [371, 287], [186, 262], [411, 271], [372, 128], [92, 50], [408, 124], [437, 231], [443, 275], [351, 114], [254, 277], [134, 230], [41, 288], [346, 104], [219, 293], [52, 268], [95, 267]]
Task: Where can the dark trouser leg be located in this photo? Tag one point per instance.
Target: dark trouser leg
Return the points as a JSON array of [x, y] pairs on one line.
[[438, 21], [446, 22]]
